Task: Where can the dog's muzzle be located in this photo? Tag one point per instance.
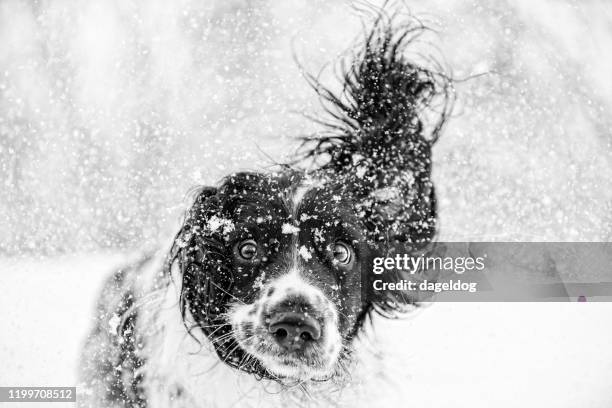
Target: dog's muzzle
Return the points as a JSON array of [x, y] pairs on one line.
[[292, 329]]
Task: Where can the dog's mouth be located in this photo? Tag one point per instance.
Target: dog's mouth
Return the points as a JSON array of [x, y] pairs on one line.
[[294, 339]]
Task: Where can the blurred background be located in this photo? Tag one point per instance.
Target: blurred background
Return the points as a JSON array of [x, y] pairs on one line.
[[110, 111]]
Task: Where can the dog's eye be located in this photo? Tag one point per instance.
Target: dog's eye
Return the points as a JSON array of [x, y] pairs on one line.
[[342, 253], [247, 249]]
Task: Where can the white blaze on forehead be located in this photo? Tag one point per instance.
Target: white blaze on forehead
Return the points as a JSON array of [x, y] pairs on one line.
[[298, 195]]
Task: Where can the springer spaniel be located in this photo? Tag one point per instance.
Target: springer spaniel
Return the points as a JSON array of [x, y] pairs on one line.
[[265, 293]]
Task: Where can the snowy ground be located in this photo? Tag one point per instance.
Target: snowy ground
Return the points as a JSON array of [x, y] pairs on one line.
[[46, 309], [460, 355]]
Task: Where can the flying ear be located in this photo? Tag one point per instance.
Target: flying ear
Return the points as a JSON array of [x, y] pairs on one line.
[[377, 138]]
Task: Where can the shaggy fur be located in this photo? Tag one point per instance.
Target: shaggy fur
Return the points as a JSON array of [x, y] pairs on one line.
[[192, 327]]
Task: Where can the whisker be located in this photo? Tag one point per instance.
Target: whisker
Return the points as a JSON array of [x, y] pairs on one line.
[[225, 291]]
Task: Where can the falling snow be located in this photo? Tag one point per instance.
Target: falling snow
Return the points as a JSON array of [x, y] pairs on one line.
[[111, 112]]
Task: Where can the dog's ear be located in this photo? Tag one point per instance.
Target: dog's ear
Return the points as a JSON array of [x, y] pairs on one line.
[[383, 125], [193, 220], [195, 253], [199, 256]]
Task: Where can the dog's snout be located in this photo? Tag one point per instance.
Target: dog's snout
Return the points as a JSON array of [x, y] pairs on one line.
[[293, 331]]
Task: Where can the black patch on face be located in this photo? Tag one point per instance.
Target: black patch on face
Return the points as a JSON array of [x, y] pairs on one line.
[[327, 216], [251, 209], [248, 207]]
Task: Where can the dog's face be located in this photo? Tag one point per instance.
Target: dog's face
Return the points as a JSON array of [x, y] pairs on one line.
[[277, 274], [276, 268], [307, 255]]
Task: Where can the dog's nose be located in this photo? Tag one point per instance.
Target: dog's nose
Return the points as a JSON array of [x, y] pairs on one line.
[[293, 331]]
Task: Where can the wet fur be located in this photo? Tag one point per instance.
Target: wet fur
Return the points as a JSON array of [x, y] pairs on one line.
[[162, 337]]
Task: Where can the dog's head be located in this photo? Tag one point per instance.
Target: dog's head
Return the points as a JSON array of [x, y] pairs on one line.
[[276, 268], [279, 267]]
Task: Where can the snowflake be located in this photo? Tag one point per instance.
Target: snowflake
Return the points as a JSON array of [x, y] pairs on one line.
[[305, 253], [289, 229], [214, 223], [113, 324]]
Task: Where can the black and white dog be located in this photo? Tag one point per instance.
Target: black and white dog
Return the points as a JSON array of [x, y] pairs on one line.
[[266, 290]]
